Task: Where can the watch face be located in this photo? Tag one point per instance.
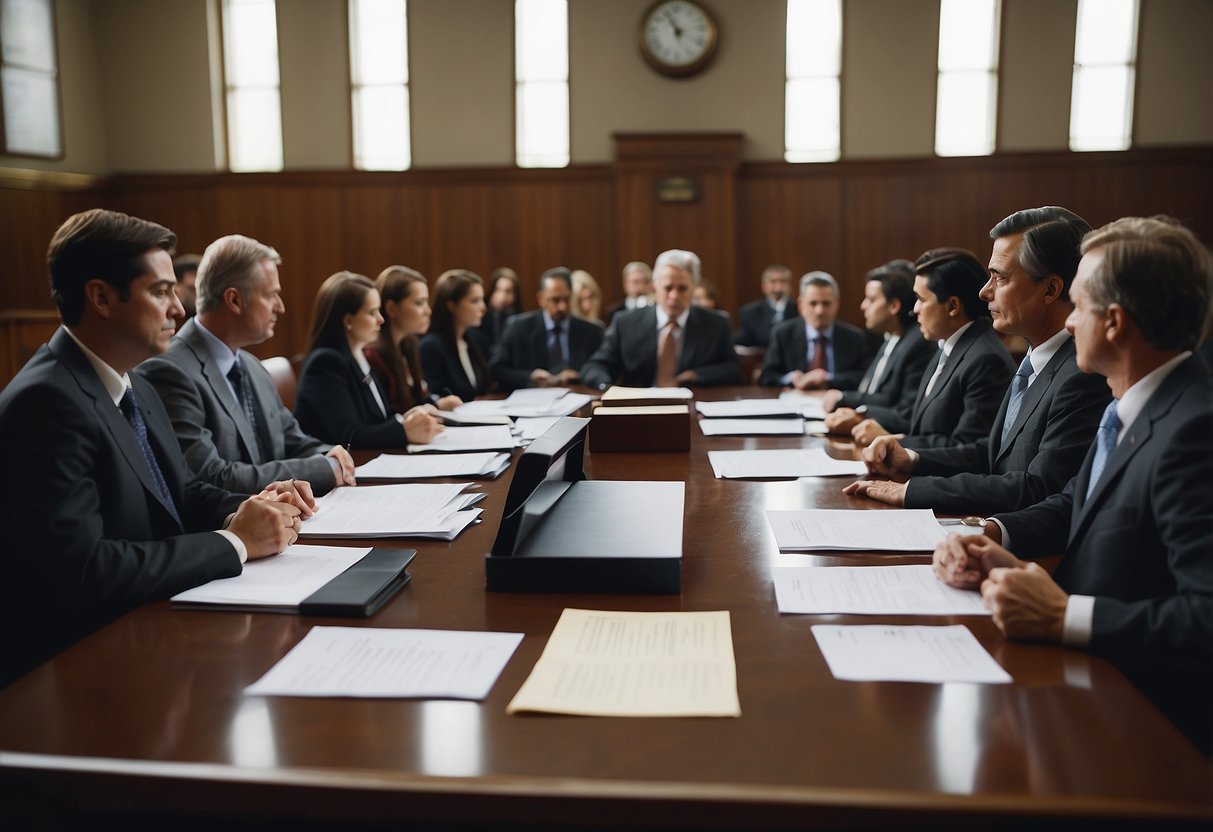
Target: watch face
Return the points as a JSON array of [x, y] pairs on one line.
[[677, 36]]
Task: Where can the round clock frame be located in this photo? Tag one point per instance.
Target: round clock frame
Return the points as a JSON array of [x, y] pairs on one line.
[[675, 12]]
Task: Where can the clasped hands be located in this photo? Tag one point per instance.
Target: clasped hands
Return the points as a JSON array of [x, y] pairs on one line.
[[268, 522]]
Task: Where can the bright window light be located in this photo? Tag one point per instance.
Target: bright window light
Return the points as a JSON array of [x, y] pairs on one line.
[[379, 72], [967, 92], [541, 74], [29, 79], [254, 105], [812, 128], [1105, 54]]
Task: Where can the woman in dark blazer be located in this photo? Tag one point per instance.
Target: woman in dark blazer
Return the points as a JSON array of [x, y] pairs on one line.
[[962, 390], [503, 299], [453, 354], [395, 357], [338, 399]]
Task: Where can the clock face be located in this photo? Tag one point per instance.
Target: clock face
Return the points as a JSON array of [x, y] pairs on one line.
[[677, 37]]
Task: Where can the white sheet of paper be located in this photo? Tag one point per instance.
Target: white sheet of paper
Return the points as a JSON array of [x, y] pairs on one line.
[[909, 589], [412, 467], [536, 395], [383, 663], [887, 653], [833, 529], [751, 427], [785, 463], [284, 580], [748, 408], [566, 404], [450, 417], [599, 663], [532, 427], [816, 427], [386, 510], [810, 403], [618, 392], [485, 438]]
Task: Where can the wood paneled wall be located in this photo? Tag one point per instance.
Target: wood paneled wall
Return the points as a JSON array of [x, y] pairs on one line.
[[843, 218]]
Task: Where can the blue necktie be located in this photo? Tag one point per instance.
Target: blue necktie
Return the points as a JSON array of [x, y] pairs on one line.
[[130, 409], [1105, 443], [1019, 385], [244, 396]]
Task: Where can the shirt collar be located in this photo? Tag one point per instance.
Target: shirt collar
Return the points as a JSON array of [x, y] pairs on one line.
[[221, 353], [812, 333], [948, 345], [548, 323], [1133, 402], [115, 385], [778, 306], [663, 317], [1040, 356]]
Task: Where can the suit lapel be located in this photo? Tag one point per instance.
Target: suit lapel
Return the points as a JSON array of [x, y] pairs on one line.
[[539, 344], [798, 346], [949, 369], [220, 388], [1032, 399]]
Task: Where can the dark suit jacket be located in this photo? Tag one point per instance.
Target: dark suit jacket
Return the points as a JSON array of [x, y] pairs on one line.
[[335, 403], [443, 370], [524, 347], [628, 354], [1047, 443], [1142, 545], [789, 349], [87, 537], [902, 376], [215, 435], [494, 325], [965, 399], [755, 320]]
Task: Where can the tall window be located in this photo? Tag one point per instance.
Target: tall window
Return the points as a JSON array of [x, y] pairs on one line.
[[29, 78], [541, 74], [254, 105], [967, 95], [812, 94], [1105, 55], [379, 72]]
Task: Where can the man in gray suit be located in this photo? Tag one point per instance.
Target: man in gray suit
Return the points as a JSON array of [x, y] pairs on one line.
[[233, 428]]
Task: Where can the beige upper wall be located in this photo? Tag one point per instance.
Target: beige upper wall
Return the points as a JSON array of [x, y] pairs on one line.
[[138, 92]]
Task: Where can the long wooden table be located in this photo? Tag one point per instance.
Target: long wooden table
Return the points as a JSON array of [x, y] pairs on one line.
[[146, 720]]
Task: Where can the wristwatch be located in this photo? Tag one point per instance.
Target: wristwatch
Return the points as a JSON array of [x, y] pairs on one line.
[[974, 522]]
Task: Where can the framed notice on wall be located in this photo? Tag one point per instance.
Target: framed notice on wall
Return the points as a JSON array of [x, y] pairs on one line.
[[29, 79]]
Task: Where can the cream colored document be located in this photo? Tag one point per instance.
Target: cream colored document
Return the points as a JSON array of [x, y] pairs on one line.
[[599, 663]]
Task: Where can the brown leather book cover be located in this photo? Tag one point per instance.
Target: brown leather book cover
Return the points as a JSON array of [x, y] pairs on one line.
[[647, 428]]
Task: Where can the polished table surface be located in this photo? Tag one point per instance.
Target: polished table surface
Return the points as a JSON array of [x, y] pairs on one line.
[[146, 717]]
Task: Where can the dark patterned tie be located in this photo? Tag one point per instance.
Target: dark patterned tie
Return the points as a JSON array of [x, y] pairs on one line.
[[1019, 386], [245, 396], [556, 359], [819, 359], [134, 415]]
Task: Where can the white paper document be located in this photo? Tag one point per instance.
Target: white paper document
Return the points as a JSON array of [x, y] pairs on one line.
[[567, 403], [887, 653], [382, 663], [746, 408], [450, 417], [816, 427], [619, 393], [413, 467], [281, 582], [403, 510], [642, 664], [752, 427], [810, 404], [530, 428], [486, 438], [871, 590], [784, 463], [833, 529]]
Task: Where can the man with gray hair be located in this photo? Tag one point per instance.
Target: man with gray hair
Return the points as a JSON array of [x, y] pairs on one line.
[[637, 290], [672, 343], [233, 428], [814, 351]]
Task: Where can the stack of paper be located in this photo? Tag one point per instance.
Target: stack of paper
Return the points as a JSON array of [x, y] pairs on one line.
[[748, 408], [406, 510], [487, 438], [534, 401], [810, 403], [871, 590], [618, 394], [530, 428], [278, 583], [752, 427], [406, 467], [831, 529], [788, 462]]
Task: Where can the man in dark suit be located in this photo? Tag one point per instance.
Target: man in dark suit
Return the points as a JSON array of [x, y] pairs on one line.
[[100, 510], [893, 377], [234, 430], [547, 346], [758, 316], [961, 389], [637, 291], [1135, 582], [1049, 413], [814, 351], [672, 343]]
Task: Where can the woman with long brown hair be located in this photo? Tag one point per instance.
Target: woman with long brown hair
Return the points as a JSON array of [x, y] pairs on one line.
[[453, 354]]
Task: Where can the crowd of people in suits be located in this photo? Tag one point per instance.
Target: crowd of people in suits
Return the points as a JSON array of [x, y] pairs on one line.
[[175, 461]]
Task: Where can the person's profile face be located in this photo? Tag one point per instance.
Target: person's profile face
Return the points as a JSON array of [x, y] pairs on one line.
[[187, 291], [469, 310], [875, 307], [1015, 300], [146, 320], [264, 304], [673, 289], [413, 311], [932, 315], [556, 299], [362, 327], [1085, 322]]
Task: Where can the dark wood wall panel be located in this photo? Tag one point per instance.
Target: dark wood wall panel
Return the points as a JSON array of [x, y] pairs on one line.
[[844, 218]]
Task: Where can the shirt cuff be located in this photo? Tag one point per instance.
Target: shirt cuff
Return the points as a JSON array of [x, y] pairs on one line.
[[912, 454], [237, 544], [1080, 615], [786, 378], [1006, 535]]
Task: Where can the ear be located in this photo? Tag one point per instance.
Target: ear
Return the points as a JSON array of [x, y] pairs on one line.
[[1116, 324], [99, 296], [539, 298], [1054, 289], [232, 299], [954, 306], [389, 308], [895, 307]]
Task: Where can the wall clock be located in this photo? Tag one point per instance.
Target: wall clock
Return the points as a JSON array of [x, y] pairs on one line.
[[678, 37]]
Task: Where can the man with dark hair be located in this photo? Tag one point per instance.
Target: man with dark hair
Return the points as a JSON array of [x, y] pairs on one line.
[[892, 378], [814, 351], [185, 266], [546, 347], [1135, 582], [105, 514], [960, 391], [1048, 414], [233, 429], [758, 317]]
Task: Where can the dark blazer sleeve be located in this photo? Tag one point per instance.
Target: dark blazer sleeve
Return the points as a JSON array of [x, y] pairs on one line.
[[605, 365], [902, 377], [851, 356], [754, 324], [708, 349], [514, 355], [783, 352], [331, 403]]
